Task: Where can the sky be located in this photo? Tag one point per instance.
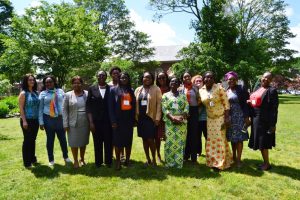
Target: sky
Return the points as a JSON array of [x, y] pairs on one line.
[[174, 29]]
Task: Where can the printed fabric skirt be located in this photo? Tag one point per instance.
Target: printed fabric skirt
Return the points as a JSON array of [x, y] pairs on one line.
[[175, 144], [218, 154]]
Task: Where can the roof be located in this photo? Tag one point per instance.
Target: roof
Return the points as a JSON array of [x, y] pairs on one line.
[[166, 53]]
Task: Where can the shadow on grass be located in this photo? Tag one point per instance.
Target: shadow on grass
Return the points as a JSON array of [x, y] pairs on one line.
[[250, 168], [289, 99], [44, 171], [136, 171], [286, 171], [5, 137]]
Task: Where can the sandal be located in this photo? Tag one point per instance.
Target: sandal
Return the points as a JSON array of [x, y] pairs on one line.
[[82, 163]]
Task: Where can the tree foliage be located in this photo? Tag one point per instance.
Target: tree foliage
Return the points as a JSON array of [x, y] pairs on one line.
[[250, 36], [6, 13], [218, 29], [134, 69], [200, 57], [53, 38], [264, 20], [114, 20], [165, 7]]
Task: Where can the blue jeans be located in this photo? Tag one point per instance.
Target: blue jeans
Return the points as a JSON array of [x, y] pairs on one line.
[[52, 126]]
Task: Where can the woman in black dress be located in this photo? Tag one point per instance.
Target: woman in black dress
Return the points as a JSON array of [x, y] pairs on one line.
[[122, 117], [264, 103], [148, 114]]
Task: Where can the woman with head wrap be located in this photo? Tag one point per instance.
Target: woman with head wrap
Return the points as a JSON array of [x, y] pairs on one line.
[[239, 115]]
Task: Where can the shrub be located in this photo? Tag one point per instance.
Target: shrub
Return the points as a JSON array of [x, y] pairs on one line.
[[4, 110], [12, 103], [5, 86]]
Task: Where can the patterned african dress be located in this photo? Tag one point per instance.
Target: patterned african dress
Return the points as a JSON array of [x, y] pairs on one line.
[[235, 133], [175, 133], [218, 153]]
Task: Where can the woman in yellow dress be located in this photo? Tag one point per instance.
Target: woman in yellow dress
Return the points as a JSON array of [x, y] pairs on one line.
[[214, 97]]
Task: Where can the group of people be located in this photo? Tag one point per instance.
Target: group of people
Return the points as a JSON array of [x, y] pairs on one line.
[[175, 110]]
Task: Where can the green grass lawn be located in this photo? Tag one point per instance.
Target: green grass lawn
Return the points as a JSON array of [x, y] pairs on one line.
[[137, 182]]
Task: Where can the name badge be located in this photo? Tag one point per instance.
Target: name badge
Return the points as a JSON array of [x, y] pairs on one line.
[[175, 105], [253, 102], [211, 104], [126, 103], [144, 102]]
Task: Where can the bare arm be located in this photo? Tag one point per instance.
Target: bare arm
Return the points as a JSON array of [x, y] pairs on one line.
[[22, 111]]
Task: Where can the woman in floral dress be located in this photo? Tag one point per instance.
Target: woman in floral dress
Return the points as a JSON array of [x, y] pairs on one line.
[[213, 96]]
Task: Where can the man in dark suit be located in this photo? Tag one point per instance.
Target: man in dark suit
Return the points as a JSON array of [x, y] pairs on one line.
[[97, 110]]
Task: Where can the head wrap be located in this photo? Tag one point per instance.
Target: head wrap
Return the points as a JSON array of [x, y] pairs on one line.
[[230, 74]]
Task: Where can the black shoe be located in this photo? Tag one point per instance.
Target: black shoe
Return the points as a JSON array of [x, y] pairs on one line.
[[98, 165], [265, 168], [28, 166], [108, 165]]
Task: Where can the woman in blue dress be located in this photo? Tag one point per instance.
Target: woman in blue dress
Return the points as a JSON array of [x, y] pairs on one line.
[[239, 116]]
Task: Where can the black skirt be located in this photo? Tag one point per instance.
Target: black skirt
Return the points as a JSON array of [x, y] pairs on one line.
[[260, 138], [122, 135], [146, 128]]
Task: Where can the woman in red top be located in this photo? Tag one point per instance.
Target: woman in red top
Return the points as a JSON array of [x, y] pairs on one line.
[[264, 103], [162, 81]]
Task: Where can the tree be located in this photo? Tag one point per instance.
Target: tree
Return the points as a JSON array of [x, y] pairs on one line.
[[264, 19], [250, 35], [114, 20], [6, 12], [200, 57], [165, 7], [218, 29], [5, 86], [53, 38], [134, 69]]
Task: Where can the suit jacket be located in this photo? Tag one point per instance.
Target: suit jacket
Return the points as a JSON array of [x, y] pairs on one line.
[[69, 108], [269, 107], [96, 105], [115, 104]]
